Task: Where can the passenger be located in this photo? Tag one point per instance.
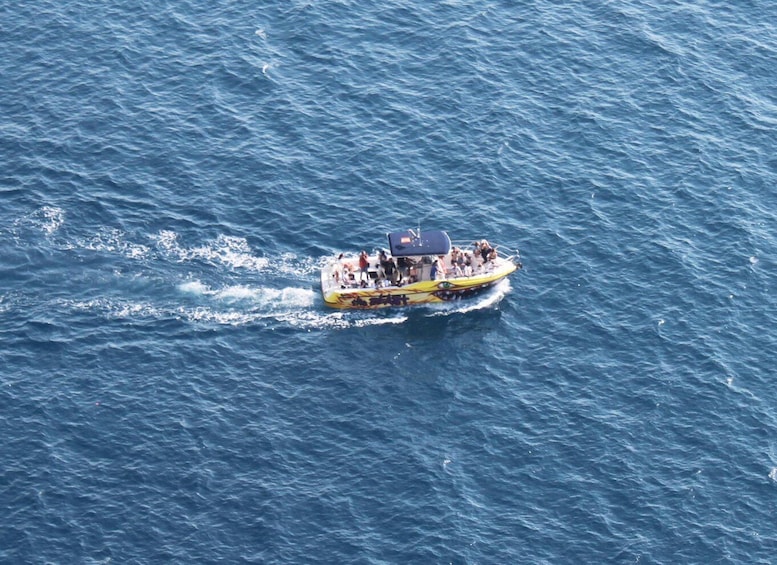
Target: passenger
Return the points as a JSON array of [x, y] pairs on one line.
[[364, 265], [347, 272], [412, 270], [392, 272], [438, 271], [443, 267], [468, 264], [403, 264], [441, 272], [455, 252], [485, 251]]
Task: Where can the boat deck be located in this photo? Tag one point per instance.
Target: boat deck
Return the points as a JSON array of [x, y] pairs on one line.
[[345, 273]]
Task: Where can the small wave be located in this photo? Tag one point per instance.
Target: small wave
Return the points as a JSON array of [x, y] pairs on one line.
[[773, 474], [115, 308], [47, 219], [289, 296], [336, 320], [301, 317], [291, 264], [194, 287], [112, 241], [235, 252], [53, 219], [232, 318], [239, 292], [486, 300], [228, 250], [380, 321]]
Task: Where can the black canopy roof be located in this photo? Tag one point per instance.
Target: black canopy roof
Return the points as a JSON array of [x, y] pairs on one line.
[[411, 243]]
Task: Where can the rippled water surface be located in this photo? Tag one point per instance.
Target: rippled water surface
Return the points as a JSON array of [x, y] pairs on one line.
[[172, 388]]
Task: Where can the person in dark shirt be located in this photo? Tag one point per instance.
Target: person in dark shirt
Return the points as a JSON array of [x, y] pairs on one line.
[[485, 251], [392, 273]]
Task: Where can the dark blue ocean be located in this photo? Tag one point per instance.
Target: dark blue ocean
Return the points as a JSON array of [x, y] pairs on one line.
[[174, 174]]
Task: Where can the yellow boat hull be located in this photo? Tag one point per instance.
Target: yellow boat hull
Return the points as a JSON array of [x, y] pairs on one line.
[[423, 292]]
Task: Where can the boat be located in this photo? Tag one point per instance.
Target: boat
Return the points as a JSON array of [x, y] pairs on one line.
[[418, 268]]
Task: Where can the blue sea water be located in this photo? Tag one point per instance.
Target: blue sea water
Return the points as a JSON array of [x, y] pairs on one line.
[[173, 174]]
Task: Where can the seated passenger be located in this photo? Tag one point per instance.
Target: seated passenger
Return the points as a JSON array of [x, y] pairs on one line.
[[347, 273], [412, 270], [485, 251]]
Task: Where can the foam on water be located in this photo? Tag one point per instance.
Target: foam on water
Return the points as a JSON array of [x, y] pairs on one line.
[[53, 219], [48, 219], [111, 240], [300, 267], [231, 251], [195, 287], [488, 299], [228, 304], [294, 312], [293, 297], [236, 305]]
